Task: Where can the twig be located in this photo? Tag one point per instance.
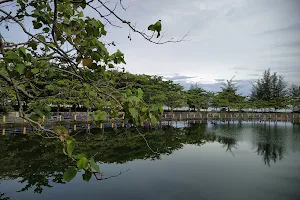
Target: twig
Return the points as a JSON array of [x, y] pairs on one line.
[[54, 22], [123, 6], [113, 176], [5, 1], [146, 141], [144, 35]]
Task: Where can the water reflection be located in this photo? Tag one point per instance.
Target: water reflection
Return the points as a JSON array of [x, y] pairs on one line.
[[38, 163], [269, 142], [228, 135], [3, 196]]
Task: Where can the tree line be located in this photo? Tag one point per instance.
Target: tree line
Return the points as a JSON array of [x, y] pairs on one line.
[[268, 92]]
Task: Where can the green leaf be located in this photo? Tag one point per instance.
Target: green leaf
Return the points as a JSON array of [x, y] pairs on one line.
[[111, 66], [82, 163], [35, 70], [22, 50], [10, 55], [140, 92], [70, 147], [80, 14], [36, 25], [38, 111], [132, 99], [33, 44], [151, 27], [94, 165], [79, 156], [46, 29], [87, 176], [83, 5], [50, 73], [134, 112], [35, 117], [99, 115], [93, 66], [20, 68], [153, 120], [70, 174]]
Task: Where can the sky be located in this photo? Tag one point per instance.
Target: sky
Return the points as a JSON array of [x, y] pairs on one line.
[[227, 38]]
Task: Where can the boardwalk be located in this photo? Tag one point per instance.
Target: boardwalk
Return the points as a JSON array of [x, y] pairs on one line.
[[176, 116], [210, 116]]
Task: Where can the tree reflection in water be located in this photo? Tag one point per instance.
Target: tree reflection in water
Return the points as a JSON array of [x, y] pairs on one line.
[[269, 142], [228, 135], [38, 162]]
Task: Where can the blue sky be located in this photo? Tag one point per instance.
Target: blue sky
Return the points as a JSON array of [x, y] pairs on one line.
[[227, 38]]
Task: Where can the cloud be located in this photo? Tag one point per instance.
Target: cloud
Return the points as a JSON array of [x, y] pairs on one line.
[[220, 80], [239, 68], [180, 77], [283, 55], [293, 27], [295, 44], [254, 74], [244, 86]]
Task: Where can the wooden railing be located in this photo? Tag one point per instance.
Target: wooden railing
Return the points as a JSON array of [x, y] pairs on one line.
[[168, 116]]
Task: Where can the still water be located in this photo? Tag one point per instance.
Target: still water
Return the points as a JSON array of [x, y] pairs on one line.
[[196, 161]]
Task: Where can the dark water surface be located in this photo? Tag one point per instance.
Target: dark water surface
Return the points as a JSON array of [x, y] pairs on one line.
[[236, 161]]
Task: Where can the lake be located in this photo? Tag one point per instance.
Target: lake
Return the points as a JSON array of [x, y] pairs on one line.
[[195, 161]]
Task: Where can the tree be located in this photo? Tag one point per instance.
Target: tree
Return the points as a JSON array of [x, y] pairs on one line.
[[271, 88], [64, 60], [294, 95], [197, 98], [7, 97], [228, 97], [174, 95]]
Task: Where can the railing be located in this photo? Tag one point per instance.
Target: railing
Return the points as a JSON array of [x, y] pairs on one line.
[[178, 116], [292, 117]]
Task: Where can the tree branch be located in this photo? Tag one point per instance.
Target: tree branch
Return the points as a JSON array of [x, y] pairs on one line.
[[54, 22], [5, 1], [144, 35], [22, 90]]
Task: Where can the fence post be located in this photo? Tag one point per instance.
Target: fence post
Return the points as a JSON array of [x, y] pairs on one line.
[[101, 125], [24, 130], [4, 120], [60, 118], [3, 131], [75, 117], [74, 127]]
